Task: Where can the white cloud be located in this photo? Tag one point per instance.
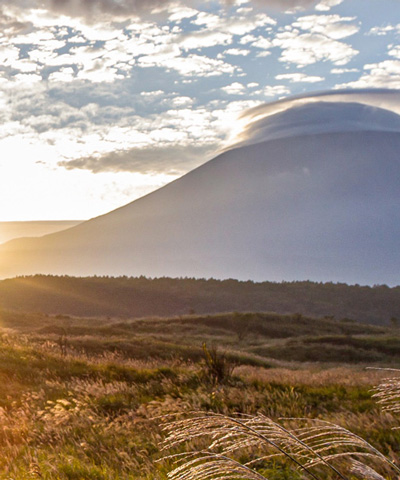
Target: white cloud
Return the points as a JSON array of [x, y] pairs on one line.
[[332, 26], [326, 5], [192, 65], [181, 102], [315, 38], [203, 39], [384, 74], [247, 39], [394, 51], [63, 75], [262, 42], [384, 30], [236, 25], [103, 52], [341, 71], [152, 94], [263, 54], [8, 55], [25, 66], [235, 88], [237, 52], [27, 79], [308, 48], [272, 91], [299, 77], [277, 90], [179, 13]]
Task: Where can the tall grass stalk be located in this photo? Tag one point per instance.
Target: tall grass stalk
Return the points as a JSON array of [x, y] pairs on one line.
[[320, 449]]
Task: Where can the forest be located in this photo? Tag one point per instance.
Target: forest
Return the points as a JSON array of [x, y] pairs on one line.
[[129, 297]]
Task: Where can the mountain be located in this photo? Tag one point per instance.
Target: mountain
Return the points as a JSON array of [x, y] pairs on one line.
[[313, 193]]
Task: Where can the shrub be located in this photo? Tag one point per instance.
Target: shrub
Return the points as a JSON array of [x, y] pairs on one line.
[[217, 367]]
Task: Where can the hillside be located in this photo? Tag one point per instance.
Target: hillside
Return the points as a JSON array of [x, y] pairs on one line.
[[84, 398], [262, 339], [140, 297]]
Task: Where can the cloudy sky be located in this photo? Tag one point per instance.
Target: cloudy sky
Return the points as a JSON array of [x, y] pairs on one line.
[[103, 101]]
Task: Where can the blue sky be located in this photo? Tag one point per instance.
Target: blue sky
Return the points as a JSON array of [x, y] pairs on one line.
[[104, 101]]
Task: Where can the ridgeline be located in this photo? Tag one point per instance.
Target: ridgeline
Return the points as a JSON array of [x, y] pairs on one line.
[[127, 297]]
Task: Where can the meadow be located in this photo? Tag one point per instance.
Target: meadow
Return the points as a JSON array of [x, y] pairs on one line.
[[87, 398]]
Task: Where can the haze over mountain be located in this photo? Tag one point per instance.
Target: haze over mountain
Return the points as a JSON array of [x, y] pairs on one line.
[[11, 230], [311, 191]]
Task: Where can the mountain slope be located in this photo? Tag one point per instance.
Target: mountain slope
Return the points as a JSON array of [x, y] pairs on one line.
[[311, 204]]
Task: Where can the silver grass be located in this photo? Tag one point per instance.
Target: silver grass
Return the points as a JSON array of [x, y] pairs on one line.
[[364, 471], [229, 434], [208, 465], [388, 393], [307, 443]]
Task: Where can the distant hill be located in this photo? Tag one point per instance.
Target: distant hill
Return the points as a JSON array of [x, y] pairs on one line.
[[313, 195], [11, 230], [263, 339], [142, 297]]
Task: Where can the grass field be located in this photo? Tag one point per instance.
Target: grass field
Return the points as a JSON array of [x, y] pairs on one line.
[[82, 398]]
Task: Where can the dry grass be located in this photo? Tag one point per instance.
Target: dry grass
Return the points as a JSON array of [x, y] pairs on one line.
[[318, 448], [90, 413], [314, 375]]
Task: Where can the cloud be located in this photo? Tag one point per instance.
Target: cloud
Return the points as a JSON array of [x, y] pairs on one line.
[[315, 38], [236, 52], [384, 30], [384, 74], [204, 39], [171, 142], [126, 8], [299, 77], [285, 4], [169, 159], [192, 65], [115, 8], [273, 91], [395, 51], [178, 10], [235, 88], [308, 48], [326, 5], [341, 71], [332, 26], [255, 121]]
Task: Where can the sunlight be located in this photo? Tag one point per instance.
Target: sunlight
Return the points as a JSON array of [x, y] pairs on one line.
[[32, 189]]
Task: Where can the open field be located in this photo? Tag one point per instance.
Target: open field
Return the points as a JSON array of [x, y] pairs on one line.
[[81, 398]]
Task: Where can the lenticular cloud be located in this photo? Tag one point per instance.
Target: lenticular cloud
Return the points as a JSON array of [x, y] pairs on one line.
[[340, 111]]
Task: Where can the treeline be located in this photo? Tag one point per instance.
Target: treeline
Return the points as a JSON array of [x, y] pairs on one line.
[[141, 297]]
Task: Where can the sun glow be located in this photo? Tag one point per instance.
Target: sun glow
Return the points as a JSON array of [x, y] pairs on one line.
[[32, 189]]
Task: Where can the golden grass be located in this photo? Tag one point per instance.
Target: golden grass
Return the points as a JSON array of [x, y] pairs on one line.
[[91, 415]]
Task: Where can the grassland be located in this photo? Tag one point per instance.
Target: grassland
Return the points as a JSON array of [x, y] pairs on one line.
[[81, 398]]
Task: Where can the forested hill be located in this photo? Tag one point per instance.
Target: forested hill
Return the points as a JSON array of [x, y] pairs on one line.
[[139, 297]]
